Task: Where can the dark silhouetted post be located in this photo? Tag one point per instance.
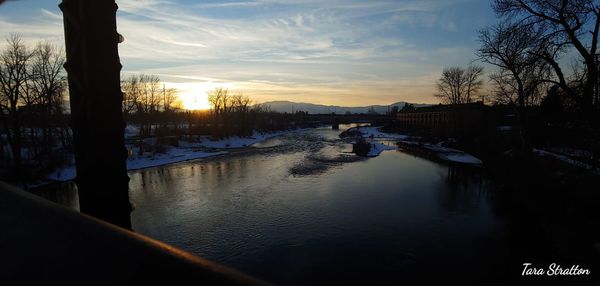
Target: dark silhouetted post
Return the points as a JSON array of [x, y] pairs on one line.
[[93, 69]]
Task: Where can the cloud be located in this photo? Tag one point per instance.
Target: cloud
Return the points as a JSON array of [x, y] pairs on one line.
[[229, 4], [43, 26], [329, 51]]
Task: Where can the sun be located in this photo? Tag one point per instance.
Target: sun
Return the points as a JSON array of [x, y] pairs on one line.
[[194, 100], [193, 95]]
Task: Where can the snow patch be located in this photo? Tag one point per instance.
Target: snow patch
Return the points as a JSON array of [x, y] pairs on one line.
[[185, 152], [172, 156], [375, 132], [448, 154], [240, 142], [463, 158], [62, 174], [131, 130], [378, 147], [566, 159]]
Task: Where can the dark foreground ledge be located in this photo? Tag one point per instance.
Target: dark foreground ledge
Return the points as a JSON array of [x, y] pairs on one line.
[[43, 242]]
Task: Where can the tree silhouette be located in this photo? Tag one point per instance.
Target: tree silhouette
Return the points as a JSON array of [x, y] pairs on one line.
[[521, 73], [459, 85], [14, 74], [49, 84], [560, 24]]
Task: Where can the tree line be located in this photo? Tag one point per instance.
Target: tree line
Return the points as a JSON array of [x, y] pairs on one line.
[[231, 113], [34, 125], [32, 96], [147, 102], [235, 114], [526, 48]]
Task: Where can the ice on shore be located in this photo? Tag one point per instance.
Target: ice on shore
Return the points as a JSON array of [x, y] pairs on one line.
[[185, 152], [174, 155], [240, 142], [378, 147], [376, 133]]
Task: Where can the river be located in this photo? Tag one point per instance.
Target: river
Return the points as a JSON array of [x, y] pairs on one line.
[[299, 209]]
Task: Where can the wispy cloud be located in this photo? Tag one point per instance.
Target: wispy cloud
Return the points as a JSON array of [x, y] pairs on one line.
[[230, 4], [325, 51]]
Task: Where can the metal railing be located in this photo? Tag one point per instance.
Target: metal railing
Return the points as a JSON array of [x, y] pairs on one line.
[[42, 242]]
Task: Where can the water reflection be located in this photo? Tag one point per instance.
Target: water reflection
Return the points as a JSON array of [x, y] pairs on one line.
[[63, 193], [465, 189], [302, 211]]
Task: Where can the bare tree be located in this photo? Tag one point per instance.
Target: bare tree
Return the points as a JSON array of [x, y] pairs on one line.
[[48, 78], [150, 94], [226, 101], [509, 47], [49, 84], [506, 87], [473, 82], [240, 103], [561, 23], [171, 100], [230, 113], [459, 85], [14, 75], [148, 102], [216, 99], [131, 94], [522, 74]]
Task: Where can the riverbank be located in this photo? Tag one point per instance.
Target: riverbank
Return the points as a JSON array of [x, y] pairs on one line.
[[205, 147], [437, 151], [259, 212], [186, 150], [411, 144]]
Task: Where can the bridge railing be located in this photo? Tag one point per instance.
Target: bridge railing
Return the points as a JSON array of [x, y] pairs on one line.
[[43, 242]]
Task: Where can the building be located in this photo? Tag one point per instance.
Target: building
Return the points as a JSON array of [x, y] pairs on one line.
[[448, 120]]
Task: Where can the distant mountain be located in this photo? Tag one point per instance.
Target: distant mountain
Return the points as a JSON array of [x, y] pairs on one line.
[[289, 107]]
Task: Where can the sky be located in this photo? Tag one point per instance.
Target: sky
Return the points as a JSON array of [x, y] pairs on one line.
[[338, 52]]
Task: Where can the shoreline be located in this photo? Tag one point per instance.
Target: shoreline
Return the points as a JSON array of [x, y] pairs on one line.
[[206, 148], [428, 150], [189, 152]]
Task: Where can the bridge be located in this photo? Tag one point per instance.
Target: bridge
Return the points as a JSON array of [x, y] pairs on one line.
[[336, 119]]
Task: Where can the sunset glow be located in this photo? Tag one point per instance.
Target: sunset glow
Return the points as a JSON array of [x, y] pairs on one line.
[[194, 95], [300, 142], [351, 53], [194, 100]]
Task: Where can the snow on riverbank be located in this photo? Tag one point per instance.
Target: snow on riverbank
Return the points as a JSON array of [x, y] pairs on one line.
[[375, 132], [185, 152], [447, 154], [62, 174], [373, 135], [378, 147], [567, 160], [239, 142], [460, 157], [443, 153], [174, 155]]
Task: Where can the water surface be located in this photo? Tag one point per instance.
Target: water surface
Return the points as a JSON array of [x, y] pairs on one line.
[[299, 209]]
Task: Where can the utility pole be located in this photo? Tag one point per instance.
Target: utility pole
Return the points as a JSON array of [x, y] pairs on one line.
[[93, 70]]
